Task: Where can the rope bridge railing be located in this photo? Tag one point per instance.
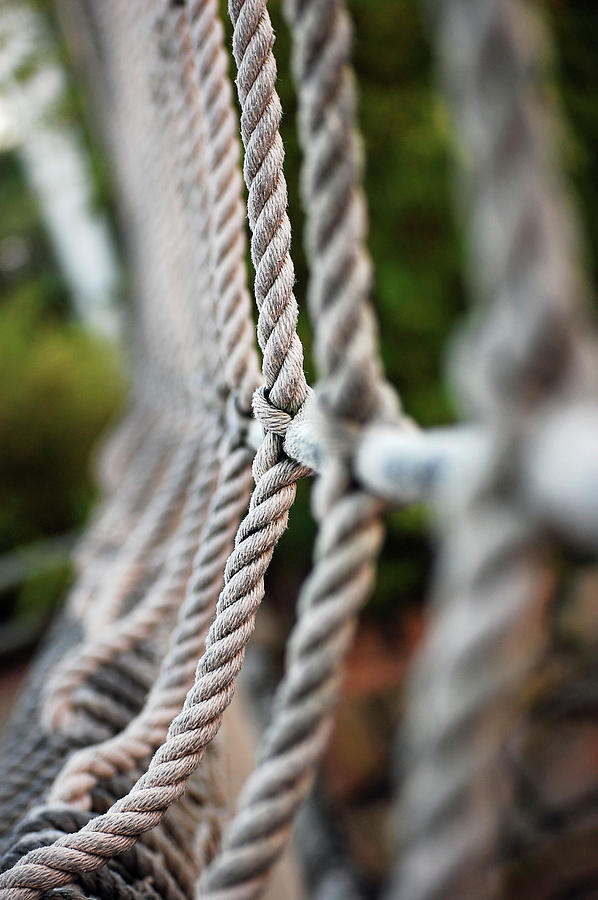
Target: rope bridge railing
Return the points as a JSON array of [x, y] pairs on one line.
[[111, 775]]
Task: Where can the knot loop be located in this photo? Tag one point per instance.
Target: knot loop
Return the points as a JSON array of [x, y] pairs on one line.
[[272, 419]]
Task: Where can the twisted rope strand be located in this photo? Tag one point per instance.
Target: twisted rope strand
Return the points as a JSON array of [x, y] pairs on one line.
[[162, 598], [153, 527], [223, 179], [226, 269], [196, 725], [351, 392], [147, 730], [156, 608]]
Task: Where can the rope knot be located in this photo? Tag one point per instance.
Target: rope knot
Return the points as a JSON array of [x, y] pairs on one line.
[[272, 419]]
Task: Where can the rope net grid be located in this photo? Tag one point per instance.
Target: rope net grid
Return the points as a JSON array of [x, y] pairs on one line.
[[113, 781]]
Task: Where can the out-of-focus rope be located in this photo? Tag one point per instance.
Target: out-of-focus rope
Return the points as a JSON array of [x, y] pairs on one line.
[[527, 353], [160, 601], [101, 698], [232, 307]]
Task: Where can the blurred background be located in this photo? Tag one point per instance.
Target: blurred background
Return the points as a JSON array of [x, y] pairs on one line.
[[63, 300]]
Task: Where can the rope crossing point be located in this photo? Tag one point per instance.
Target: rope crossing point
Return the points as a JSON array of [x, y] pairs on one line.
[[119, 743]]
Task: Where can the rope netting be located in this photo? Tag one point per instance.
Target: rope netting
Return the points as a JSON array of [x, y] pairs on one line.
[[111, 780]]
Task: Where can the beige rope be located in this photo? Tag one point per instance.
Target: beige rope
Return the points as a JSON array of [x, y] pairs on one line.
[[147, 731], [351, 393], [285, 390]]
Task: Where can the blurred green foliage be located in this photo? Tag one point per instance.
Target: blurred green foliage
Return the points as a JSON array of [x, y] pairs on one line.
[[58, 387]]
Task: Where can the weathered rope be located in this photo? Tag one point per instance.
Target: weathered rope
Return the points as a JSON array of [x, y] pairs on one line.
[[231, 302], [23, 739], [227, 238], [319, 844], [94, 696], [156, 608], [525, 355], [144, 733], [113, 695], [93, 558], [491, 587], [284, 390], [352, 392], [126, 877], [162, 599], [111, 526]]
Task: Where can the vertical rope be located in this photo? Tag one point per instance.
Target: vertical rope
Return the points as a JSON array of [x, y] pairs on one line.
[[526, 353], [180, 170], [231, 303], [351, 392]]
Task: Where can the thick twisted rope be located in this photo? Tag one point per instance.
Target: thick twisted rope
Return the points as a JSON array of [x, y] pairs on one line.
[[185, 833], [25, 750], [227, 213], [118, 515], [527, 354], [284, 390], [339, 288], [156, 608], [352, 392], [151, 529], [141, 736], [23, 740], [163, 598], [232, 305], [93, 696], [111, 698], [129, 876]]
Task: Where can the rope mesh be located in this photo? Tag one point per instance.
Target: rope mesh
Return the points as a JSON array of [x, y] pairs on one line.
[[112, 778]]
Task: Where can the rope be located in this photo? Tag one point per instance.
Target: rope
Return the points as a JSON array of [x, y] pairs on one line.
[[232, 302], [139, 869], [227, 239], [352, 392], [147, 731], [285, 391], [158, 605], [116, 517], [112, 696], [153, 528], [95, 694], [526, 354], [184, 482], [163, 598]]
